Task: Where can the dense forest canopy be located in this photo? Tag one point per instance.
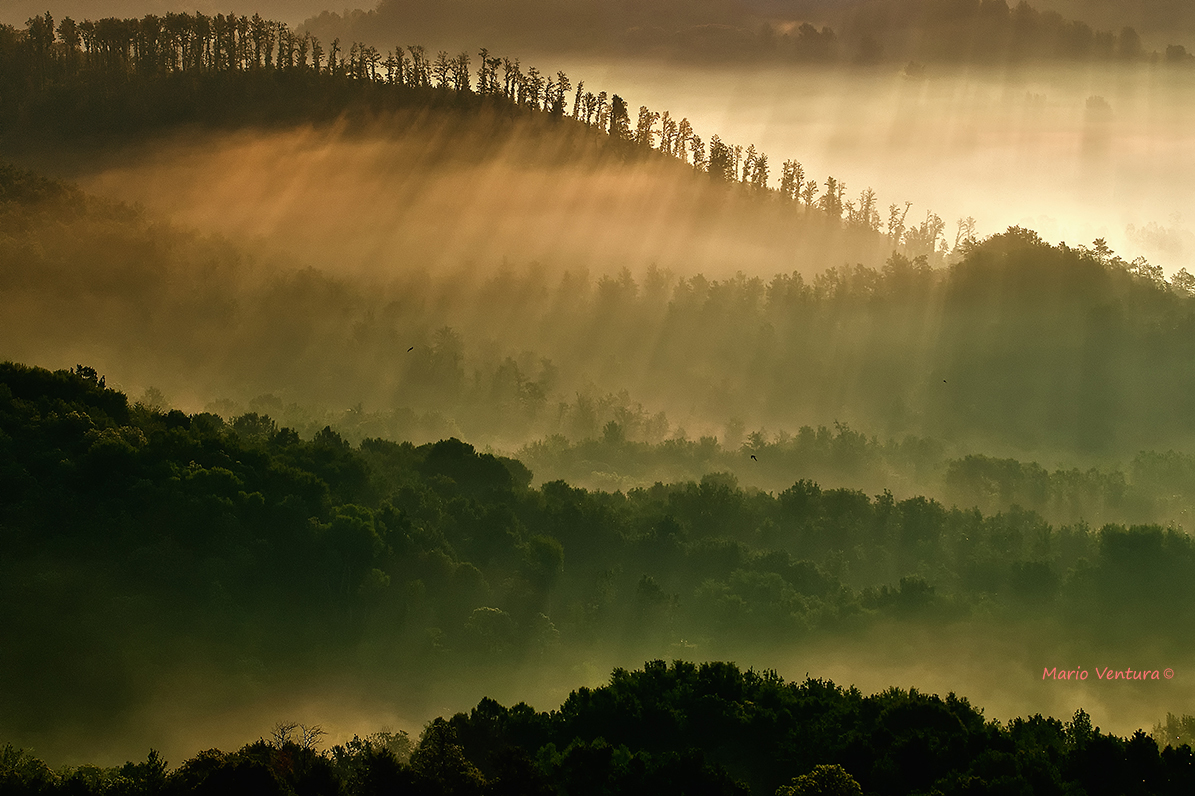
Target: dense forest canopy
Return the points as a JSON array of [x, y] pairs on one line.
[[170, 544], [443, 376]]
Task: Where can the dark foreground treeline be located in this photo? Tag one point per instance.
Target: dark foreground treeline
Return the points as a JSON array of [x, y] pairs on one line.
[[147, 538], [684, 729]]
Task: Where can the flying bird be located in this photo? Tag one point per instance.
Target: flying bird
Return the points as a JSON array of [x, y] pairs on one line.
[[409, 350], [753, 458]]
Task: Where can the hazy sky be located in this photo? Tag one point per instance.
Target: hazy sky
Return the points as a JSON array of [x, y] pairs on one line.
[[1074, 152], [15, 12]]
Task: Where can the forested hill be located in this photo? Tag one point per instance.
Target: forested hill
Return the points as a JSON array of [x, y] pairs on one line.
[[1019, 349], [69, 88], [708, 729], [125, 75], [148, 538], [837, 32]]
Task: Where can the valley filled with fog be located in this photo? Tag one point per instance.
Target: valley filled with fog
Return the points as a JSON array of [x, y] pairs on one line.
[[358, 392]]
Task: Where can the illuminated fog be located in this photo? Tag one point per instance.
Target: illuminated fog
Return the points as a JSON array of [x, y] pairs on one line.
[[431, 273], [1073, 152]]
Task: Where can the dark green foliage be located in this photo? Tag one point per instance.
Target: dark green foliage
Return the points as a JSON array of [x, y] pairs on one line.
[[133, 536], [244, 527], [711, 729], [472, 473], [284, 769], [136, 534], [681, 728]]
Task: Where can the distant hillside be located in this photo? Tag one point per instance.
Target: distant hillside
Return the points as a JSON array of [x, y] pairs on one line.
[[77, 84], [1162, 20], [860, 32], [1019, 349]]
